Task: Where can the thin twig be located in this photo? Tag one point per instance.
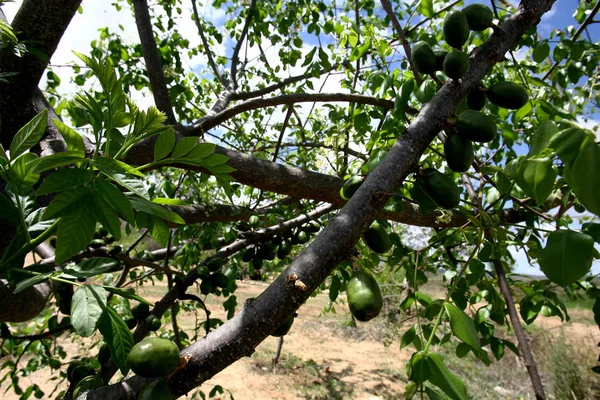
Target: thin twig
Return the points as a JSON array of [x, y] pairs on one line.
[[211, 61], [236, 51], [441, 10]]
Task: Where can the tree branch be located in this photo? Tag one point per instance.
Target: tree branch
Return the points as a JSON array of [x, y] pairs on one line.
[[236, 51], [268, 311], [152, 59], [317, 145], [211, 61]]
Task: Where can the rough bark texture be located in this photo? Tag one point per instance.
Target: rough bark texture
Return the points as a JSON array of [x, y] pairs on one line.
[[261, 316]]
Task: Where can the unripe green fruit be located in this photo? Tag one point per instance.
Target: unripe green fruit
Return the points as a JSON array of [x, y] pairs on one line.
[[441, 188], [508, 95], [203, 272], [257, 263], [153, 357], [285, 248], [456, 64], [440, 55], [377, 239], [207, 286], [131, 323], [97, 243], [248, 255], [80, 371], [157, 390], [459, 153], [312, 227], [220, 280], [478, 16], [456, 29], [104, 354], [426, 91], [87, 383], [476, 126], [284, 328], [302, 237], [153, 323], [476, 99], [215, 264], [423, 57], [254, 221], [364, 296], [141, 311]]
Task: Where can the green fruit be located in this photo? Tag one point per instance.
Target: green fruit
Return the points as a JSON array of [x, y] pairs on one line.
[[284, 328], [508, 95], [478, 16], [257, 263], [302, 237], [423, 57], [215, 264], [364, 296], [97, 243], [114, 250], [456, 64], [248, 255], [459, 153], [441, 188], [426, 91], [203, 272], [456, 29], [87, 383], [312, 227], [152, 323], [109, 239], [285, 248], [476, 99], [153, 357], [103, 231], [157, 390], [220, 280], [350, 187], [476, 126], [207, 286], [254, 221], [141, 311], [80, 371], [104, 354], [374, 160], [377, 239], [440, 55], [131, 323]]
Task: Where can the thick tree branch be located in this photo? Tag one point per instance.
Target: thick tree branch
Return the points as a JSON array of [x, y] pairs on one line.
[[288, 292], [152, 59]]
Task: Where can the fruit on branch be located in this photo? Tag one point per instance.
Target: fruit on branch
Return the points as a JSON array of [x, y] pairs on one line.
[[207, 286], [157, 390], [215, 264], [459, 153], [87, 383], [456, 29], [302, 237], [249, 254], [456, 64], [285, 248], [423, 57], [440, 55], [508, 95], [478, 16], [364, 296], [312, 227], [476, 99], [78, 370], [131, 322], [284, 328], [440, 188], [426, 91], [203, 272], [141, 311], [220, 280], [152, 322], [377, 239], [350, 187], [476, 126], [153, 357], [254, 221]]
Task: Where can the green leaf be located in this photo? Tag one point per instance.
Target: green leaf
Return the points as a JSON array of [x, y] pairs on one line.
[[583, 175], [29, 135], [589, 228], [75, 231], [425, 8], [57, 160], [568, 142], [170, 202], [334, 288], [113, 196], [201, 150], [541, 137], [567, 256], [3, 156], [86, 308], [107, 216], [73, 139], [159, 231], [214, 160], [155, 209], [184, 146], [29, 282], [111, 167], [541, 50], [502, 182], [117, 336], [8, 211], [128, 295], [21, 174], [64, 179], [446, 380], [536, 177], [91, 267], [408, 337], [462, 326], [164, 144], [66, 201]]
